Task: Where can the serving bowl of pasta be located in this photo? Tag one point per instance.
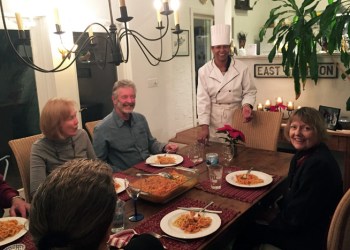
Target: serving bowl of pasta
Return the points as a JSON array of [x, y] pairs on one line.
[[159, 189]]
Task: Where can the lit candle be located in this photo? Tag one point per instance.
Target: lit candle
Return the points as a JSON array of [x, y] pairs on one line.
[[260, 107], [299, 107], [121, 3], [279, 100], [19, 21], [267, 104], [57, 17], [290, 106]]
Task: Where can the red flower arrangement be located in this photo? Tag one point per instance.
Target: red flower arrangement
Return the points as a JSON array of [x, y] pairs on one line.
[[278, 107], [233, 135]]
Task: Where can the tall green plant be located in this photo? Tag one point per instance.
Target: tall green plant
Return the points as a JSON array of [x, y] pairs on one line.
[[297, 41]]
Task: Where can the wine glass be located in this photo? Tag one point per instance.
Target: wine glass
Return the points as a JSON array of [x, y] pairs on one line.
[[134, 193]]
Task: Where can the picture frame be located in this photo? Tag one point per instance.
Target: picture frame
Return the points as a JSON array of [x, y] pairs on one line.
[[184, 43], [330, 115]]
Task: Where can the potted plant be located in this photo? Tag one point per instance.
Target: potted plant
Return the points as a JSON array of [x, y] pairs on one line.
[[295, 39], [233, 136]]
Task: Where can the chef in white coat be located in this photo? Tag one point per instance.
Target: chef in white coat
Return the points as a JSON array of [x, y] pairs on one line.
[[224, 84]]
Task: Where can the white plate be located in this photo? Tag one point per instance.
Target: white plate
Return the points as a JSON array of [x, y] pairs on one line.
[[152, 160], [121, 183], [166, 224], [19, 234], [231, 178]]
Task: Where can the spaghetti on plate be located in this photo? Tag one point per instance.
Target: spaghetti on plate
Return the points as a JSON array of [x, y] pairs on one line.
[[9, 228], [192, 222], [248, 179]]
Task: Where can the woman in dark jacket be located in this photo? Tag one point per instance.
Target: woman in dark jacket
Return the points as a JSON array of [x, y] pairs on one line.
[[314, 190]]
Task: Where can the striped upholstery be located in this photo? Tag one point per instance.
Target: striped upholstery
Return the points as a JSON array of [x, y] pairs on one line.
[[262, 132], [21, 149]]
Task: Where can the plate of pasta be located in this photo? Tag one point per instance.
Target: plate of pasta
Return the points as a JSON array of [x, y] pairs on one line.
[[12, 228], [253, 180], [181, 224], [119, 185], [164, 160]]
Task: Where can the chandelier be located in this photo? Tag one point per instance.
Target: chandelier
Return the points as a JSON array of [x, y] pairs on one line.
[[113, 39]]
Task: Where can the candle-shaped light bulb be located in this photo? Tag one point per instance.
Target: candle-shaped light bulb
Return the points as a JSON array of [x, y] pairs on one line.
[[279, 100], [57, 17], [19, 21], [175, 4], [121, 3], [290, 106], [267, 104], [260, 107], [158, 5], [91, 32]]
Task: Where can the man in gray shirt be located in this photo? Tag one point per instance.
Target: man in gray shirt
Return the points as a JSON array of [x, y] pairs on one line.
[[123, 137]]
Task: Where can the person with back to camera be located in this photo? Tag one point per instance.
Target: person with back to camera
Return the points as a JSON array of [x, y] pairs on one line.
[[315, 187], [123, 138], [224, 84], [74, 207], [62, 141], [9, 198]]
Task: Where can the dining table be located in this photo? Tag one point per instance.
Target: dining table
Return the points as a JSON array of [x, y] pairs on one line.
[[238, 204]]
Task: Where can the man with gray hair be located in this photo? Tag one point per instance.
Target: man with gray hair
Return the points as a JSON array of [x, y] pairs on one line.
[[123, 137]]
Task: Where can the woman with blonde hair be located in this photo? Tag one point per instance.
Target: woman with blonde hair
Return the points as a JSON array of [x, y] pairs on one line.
[[62, 141]]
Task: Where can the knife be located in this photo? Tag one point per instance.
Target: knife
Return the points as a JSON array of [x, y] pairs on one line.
[[196, 209]]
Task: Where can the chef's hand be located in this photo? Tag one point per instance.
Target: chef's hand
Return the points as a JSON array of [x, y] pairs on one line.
[[170, 148], [247, 113], [203, 134]]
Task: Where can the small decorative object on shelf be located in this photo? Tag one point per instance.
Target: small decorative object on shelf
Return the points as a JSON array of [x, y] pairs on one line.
[[242, 5], [233, 136]]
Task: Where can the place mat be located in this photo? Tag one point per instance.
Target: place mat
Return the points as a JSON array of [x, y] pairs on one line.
[[233, 192], [123, 195], [152, 224], [187, 163]]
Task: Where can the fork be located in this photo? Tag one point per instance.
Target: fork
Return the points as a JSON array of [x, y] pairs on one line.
[[245, 176], [158, 236]]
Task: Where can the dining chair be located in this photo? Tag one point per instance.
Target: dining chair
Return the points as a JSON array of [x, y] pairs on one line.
[[262, 131], [90, 126], [21, 149], [6, 166], [339, 230]]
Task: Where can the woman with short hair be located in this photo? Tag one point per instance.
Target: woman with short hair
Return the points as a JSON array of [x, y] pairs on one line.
[[62, 140], [314, 188]]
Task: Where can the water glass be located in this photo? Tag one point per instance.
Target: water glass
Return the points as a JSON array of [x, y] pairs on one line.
[[195, 152], [118, 219], [215, 175]]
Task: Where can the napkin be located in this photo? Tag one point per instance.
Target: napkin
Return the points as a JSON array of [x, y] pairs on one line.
[[122, 238]]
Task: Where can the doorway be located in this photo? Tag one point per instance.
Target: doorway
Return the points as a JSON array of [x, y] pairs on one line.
[[202, 51]]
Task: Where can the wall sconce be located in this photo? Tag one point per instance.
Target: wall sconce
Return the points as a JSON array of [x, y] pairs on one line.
[[242, 5]]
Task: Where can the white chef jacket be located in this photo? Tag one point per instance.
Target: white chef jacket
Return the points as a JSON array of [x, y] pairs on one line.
[[218, 95]]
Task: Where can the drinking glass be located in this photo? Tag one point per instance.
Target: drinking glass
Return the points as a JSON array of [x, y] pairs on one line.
[[227, 154], [134, 193]]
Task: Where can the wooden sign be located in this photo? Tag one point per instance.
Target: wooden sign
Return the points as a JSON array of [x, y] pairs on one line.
[[325, 70]]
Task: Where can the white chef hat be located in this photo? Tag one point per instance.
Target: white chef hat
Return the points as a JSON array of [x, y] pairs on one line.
[[220, 34]]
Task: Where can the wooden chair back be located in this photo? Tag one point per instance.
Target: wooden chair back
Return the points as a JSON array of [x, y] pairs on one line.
[[262, 132], [21, 149], [90, 126], [339, 230]]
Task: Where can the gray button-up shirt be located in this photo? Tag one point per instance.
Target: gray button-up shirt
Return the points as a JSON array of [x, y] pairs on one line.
[[124, 144]]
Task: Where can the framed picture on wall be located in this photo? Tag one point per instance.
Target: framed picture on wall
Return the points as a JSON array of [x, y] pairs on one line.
[[183, 41], [330, 116]]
